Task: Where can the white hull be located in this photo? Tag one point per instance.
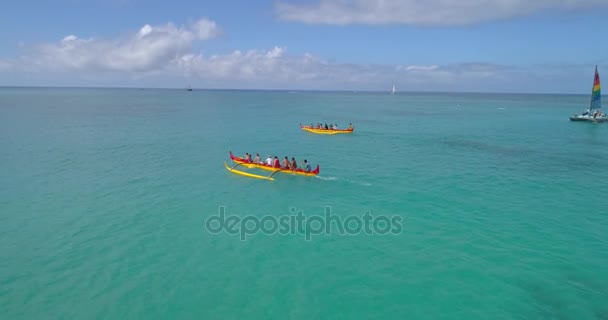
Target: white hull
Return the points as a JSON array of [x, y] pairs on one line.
[[589, 118]]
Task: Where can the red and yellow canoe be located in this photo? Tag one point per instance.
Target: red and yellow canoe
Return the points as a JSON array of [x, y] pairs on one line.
[[325, 131], [242, 162]]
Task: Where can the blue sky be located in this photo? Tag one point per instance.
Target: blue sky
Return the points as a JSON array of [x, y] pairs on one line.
[[421, 45]]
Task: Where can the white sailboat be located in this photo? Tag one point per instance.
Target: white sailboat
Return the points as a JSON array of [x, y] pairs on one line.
[[593, 112], [394, 91]]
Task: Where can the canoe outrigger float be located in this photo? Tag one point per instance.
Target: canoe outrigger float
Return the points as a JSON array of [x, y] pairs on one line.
[[325, 131], [245, 163], [247, 174]]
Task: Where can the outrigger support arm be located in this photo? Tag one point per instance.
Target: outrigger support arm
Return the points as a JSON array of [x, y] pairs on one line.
[[246, 174], [272, 174]]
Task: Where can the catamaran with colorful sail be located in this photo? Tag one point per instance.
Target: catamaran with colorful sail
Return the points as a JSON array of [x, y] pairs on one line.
[[593, 113]]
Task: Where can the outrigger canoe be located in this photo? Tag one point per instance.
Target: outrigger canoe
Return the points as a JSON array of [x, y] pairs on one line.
[[242, 162], [325, 131]]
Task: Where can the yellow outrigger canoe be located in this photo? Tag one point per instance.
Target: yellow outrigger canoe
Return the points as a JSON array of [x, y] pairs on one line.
[[247, 174], [246, 164], [326, 131]]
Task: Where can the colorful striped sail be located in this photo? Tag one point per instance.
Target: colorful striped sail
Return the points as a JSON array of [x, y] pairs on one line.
[[596, 93]]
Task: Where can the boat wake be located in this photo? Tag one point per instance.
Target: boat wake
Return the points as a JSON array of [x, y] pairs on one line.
[[326, 178], [366, 184]]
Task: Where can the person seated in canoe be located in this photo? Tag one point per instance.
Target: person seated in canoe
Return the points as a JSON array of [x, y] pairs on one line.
[[277, 163], [306, 166], [350, 126], [247, 157], [257, 159], [286, 164], [294, 164], [269, 161], [326, 127]]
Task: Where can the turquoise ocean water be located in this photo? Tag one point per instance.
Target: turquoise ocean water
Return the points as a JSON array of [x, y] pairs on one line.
[[104, 195]]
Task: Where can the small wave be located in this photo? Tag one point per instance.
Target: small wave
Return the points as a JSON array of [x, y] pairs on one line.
[[362, 183], [326, 178]]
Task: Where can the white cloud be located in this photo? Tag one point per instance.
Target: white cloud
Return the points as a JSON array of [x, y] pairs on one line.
[[5, 65], [205, 29], [158, 53], [69, 38], [418, 68], [453, 75], [149, 49], [275, 68], [422, 12], [272, 65], [163, 55]]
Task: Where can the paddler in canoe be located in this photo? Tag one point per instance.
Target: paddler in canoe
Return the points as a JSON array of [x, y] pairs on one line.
[[294, 164], [286, 165], [306, 166], [248, 157]]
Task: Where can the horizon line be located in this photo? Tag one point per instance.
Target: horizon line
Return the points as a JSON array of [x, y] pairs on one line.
[[281, 90]]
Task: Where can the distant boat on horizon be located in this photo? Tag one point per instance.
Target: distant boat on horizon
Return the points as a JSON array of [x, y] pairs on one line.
[[189, 88], [394, 91]]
